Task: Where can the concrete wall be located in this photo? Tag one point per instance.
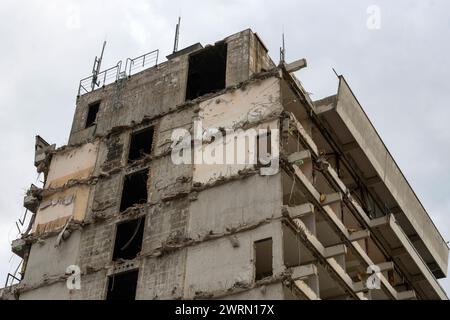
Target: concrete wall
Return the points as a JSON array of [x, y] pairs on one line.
[[55, 291], [217, 266], [62, 203], [158, 90], [147, 94], [49, 261], [175, 214], [225, 207], [274, 291], [55, 210], [73, 164]]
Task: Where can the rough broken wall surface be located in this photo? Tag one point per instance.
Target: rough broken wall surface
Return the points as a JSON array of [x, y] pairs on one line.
[[152, 92], [39, 269], [99, 153], [259, 58], [248, 109], [148, 94], [174, 219], [217, 266], [61, 201], [72, 164]]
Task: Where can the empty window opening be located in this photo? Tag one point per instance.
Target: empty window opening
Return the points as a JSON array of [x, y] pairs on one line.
[[92, 114], [263, 259], [141, 144], [264, 148], [128, 243], [122, 286], [207, 70], [134, 190]]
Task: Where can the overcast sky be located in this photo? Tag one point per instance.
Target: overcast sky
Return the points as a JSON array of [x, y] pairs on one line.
[[398, 67]]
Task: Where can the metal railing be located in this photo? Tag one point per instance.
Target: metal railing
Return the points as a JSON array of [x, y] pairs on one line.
[[12, 278], [141, 63], [111, 75], [102, 79]]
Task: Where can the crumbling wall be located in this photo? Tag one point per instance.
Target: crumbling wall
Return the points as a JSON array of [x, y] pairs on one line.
[[237, 57], [47, 264], [161, 89], [259, 59], [66, 192], [227, 206], [54, 291], [162, 277], [106, 197], [275, 291], [96, 246], [57, 209], [246, 110], [72, 164], [166, 226], [218, 265], [150, 93], [93, 285], [86, 179]]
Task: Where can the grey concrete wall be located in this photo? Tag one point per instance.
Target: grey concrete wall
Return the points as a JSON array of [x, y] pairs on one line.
[[162, 278], [216, 266], [175, 214], [157, 90], [46, 261], [56, 291], [149, 93], [235, 204], [274, 291]]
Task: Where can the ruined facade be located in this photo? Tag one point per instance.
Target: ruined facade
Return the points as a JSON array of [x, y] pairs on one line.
[[335, 219]]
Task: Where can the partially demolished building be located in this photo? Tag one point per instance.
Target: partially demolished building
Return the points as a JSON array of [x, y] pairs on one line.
[[117, 218]]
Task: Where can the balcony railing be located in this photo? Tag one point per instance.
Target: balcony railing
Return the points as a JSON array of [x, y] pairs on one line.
[[111, 75]]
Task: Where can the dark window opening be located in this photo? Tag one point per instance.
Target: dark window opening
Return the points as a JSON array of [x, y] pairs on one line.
[[122, 286], [134, 190], [141, 144], [207, 70], [263, 259], [264, 148], [92, 114], [128, 243]]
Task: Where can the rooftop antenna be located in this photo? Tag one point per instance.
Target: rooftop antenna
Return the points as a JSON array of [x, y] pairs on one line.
[[96, 67], [283, 48], [177, 35]]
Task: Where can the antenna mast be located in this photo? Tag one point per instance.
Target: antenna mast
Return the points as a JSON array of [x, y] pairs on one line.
[[282, 49], [177, 35], [96, 67]]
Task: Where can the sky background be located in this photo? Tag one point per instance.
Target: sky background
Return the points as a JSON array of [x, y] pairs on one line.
[[397, 65]]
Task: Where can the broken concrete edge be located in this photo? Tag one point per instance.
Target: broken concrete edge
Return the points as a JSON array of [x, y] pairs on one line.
[[30, 239], [9, 293], [192, 192], [351, 237], [139, 210], [302, 233], [39, 193], [170, 245], [239, 286], [22, 288], [275, 72], [134, 211]]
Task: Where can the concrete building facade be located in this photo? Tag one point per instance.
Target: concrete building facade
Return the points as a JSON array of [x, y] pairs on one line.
[[329, 216]]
